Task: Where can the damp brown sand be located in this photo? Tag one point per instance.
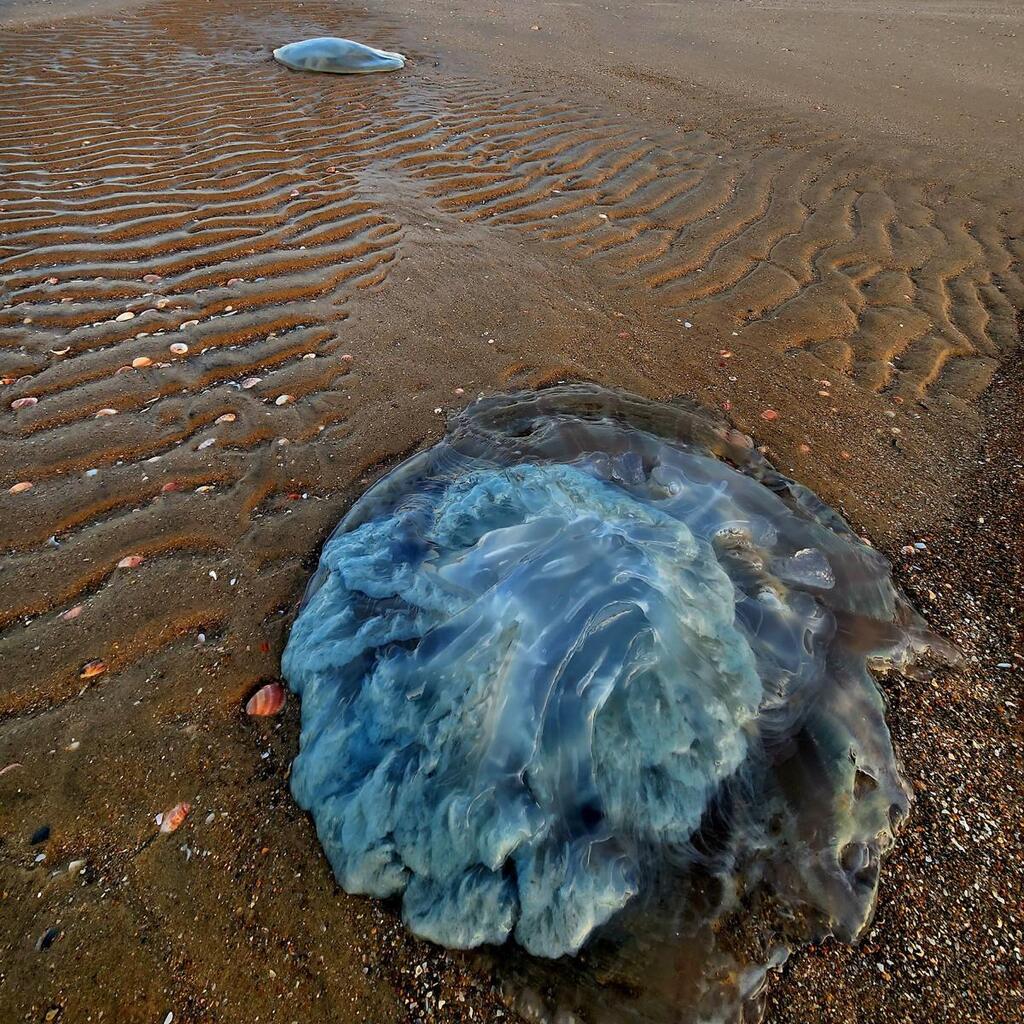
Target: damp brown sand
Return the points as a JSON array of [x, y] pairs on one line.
[[512, 209]]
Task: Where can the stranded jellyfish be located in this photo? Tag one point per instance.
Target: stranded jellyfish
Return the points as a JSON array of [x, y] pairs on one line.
[[338, 56], [589, 680]]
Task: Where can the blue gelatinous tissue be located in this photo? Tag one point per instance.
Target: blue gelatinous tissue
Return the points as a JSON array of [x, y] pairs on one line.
[[586, 648], [337, 56]]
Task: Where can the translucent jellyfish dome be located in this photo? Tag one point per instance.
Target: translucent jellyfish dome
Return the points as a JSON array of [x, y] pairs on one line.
[[590, 675]]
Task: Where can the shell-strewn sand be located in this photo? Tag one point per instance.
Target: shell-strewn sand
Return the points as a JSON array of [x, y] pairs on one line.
[[339, 262]]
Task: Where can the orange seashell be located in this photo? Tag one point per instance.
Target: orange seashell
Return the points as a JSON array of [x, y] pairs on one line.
[[130, 562], [267, 700], [141, 361], [171, 821], [72, 613], [20, 488], [170, 487], [106, 412], [769, 414], [24, 403], [92, 668]]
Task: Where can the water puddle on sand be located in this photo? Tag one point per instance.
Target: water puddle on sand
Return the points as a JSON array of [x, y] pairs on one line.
[[588, 685]]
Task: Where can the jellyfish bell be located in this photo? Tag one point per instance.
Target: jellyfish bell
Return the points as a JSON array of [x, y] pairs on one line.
[[590, 678], [337, 56]]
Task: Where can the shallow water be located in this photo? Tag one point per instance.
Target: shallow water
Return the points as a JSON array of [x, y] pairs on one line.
[[589, 677]]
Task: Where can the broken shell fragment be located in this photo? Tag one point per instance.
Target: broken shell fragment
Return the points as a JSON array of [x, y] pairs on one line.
[[106, 412], [130, 562], [91, 669], [20, 488], [769, 415], [24, 403], [251, 382], [72, 613], [151, 278], [228, 417], [267, 700], [171, 821], [179, 348]]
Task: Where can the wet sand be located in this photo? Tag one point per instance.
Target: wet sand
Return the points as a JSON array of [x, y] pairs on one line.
[[340, 256]]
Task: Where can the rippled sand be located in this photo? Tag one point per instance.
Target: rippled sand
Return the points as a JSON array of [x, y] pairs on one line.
[[341, 260]]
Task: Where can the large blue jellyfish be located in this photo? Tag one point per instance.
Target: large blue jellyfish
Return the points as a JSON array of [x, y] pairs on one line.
[[582, 646], [337, 56]]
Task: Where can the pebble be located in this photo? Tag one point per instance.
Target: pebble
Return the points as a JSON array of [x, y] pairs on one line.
[[126, 315]]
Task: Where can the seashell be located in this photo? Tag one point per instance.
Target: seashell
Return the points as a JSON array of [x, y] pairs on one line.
[[769, 415], [130, 562], [162, 303], [284, 399], [126, 315], [60, 351], [151, 278], [20, 488], [171, 821], [107, 412], [267, 700], [13, 766], [206, 444], [187, 324], [251, 382], [346, 358], [309, 355], [53, 280], [24, 403], [460, 391], [91, 669], [170, 487], [205, 489], [141, 361], [179, 348], [122, 369], [228, 417], [72, 613]]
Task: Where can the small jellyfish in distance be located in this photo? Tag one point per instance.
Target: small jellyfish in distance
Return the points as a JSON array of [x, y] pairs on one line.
[[589, 681], [337, 56]]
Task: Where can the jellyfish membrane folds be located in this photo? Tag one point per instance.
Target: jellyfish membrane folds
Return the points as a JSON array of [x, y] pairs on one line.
[[589, 678], [337, 56]]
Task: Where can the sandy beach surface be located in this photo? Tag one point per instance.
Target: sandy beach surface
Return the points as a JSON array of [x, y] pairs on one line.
[[233, 295]]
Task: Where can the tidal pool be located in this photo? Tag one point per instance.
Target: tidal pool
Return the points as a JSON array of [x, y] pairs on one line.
[[590, 679]]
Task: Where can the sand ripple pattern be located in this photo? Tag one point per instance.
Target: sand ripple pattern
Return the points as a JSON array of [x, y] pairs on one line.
[[188, 191]]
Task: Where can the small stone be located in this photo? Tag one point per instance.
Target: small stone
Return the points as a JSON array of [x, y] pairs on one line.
[[284, 399], [126, 315]]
